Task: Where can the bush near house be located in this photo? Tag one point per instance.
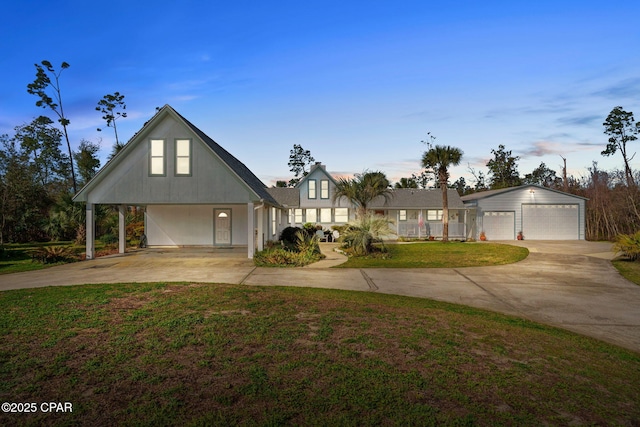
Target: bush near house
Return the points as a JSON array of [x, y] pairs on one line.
[[363, 236], [303, 251]]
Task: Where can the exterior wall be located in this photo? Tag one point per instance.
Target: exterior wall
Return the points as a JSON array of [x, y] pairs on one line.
[[513, 201], [191, 225], [129, 181]]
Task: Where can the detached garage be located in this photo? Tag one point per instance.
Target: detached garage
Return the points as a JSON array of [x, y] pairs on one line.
[[539, 213]]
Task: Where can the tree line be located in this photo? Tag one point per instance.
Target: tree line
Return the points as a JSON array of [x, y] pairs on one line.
[[38, 177]]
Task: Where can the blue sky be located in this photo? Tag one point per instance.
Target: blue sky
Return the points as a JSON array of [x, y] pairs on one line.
[[358, 83]]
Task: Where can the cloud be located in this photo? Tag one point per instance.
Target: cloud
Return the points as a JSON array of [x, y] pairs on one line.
[[628, 88], [586, 120], [543, 148]]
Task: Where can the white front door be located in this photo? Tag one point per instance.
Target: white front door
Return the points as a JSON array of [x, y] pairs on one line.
[[222, 227]]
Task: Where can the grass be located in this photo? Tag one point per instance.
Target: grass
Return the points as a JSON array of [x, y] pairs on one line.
[[440, 255], [17, 257], [190, 354], [629, 269]]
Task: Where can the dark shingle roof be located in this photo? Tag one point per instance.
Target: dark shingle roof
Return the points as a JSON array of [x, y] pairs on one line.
[[288, 197], [418, 198]]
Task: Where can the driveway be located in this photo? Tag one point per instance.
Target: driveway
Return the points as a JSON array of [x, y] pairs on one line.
[[571, 285]]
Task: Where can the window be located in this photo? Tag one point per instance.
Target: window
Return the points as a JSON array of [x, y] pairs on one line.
[[402, 215], [297, 216], [312, 215], [434, 214], [156, 157], [274, 227], [183, 157], [341, 215], [312, 189], [325, 215], [324, 189]]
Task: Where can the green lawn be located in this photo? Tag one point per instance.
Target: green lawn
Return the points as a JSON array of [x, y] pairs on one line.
[[444, 255], [629, 269], [189, 354]]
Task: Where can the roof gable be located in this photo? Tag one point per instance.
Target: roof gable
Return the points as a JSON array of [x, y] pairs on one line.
[[244, 178]]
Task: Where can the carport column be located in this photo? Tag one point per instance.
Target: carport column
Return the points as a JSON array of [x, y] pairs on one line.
[[122, 228], [261, 227], [90, 231], [250, 231]]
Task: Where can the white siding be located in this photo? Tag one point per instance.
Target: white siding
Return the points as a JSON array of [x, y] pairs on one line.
[[191, 225]]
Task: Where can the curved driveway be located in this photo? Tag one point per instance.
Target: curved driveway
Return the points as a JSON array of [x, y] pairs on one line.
[[571, 285]]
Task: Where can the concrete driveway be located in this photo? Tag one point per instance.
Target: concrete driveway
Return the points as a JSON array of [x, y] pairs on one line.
[[571, 285]]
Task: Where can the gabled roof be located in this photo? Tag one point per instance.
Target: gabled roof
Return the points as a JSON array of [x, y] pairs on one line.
[[490, 193], [418, 198], [317, 165], [235, 166]]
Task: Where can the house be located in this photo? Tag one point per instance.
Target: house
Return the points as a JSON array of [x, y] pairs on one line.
[[414, 212], [540, 213], [195, 192]]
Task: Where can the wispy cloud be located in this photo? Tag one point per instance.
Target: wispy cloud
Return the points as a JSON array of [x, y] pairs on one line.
[[585, 120], [625, 89]]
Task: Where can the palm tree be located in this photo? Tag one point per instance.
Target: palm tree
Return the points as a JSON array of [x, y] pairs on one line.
[[362, 189], [438, 159]]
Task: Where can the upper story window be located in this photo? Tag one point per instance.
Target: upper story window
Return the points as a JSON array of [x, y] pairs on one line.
[[312, 189], [183, 157], [324, 189], [157, 158]]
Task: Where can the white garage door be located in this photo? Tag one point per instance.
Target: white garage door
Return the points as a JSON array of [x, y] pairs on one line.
[[550, 222], [499, 225]]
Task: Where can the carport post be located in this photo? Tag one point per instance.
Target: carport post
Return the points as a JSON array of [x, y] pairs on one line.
[[122, 235], [90, 231], [250, 231]]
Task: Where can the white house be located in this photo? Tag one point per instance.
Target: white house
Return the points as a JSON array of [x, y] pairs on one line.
[[194, 191], [540, 213], [197, 194]]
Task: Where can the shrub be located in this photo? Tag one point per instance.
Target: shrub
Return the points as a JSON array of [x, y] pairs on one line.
[[305, 250], [288, 235], [53, 254], [109, 239], [629, 245], [359, 236]]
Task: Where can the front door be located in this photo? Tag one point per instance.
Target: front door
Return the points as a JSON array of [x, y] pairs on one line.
[[222, 227]]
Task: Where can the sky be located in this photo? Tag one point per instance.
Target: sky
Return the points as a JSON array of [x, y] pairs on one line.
[[360, 84]]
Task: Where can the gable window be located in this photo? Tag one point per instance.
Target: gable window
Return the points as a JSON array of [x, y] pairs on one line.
[[183, 157], [402, 216], [312, 189], [157, 158], [324, 189], [434, 214]]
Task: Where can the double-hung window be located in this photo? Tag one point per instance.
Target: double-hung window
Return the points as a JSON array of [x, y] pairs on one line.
[[434, 214], [183, 157], [157, 158], [324, 189], [402, 216], [312, 189]]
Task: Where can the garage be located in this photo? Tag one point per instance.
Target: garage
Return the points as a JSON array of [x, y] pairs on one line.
[[540, 213], [499, 225], [550, 222]]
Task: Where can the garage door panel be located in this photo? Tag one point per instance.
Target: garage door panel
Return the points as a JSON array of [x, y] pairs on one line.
[[550, 222], [499, 225]]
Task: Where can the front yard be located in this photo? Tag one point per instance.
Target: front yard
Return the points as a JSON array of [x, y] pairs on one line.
[[440, 255], [196, 354]]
